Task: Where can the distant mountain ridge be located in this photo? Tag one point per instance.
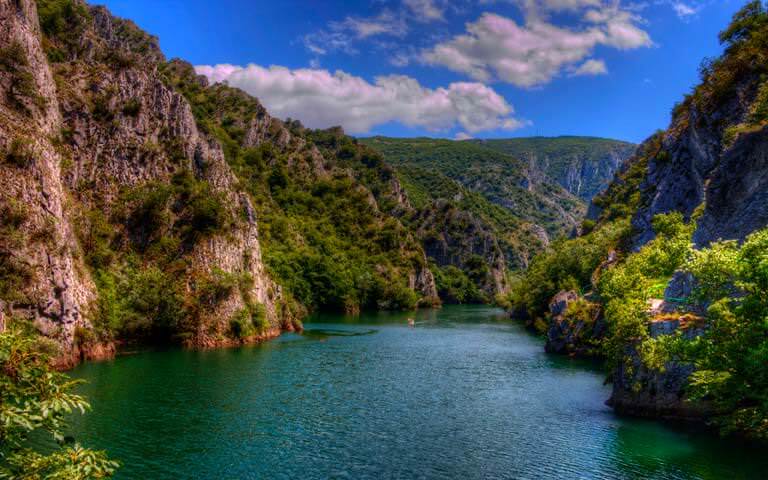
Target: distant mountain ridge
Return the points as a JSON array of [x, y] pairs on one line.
[[582, 165], [488, 206]]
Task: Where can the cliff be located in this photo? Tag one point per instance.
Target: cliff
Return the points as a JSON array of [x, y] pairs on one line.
[[135, 195], [484, 208], [582, 165]]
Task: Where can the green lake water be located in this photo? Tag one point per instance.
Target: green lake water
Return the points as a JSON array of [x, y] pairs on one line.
[[464, 394]]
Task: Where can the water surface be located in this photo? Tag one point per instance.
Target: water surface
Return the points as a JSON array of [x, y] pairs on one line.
[[464, 394]]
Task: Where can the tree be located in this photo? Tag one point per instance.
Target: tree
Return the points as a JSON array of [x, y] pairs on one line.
[[34, 398]]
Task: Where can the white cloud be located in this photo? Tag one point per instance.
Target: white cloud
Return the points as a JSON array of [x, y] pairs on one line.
[[322, 99], [341, 35], [425, 10], [385, 23], [462, 136], [591, 67], [531, 54], [684, 10]]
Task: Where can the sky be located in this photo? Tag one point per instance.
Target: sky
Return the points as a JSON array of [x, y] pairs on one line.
[[449, 68]]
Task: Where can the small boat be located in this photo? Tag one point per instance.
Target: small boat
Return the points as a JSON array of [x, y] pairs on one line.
[[411, 322]]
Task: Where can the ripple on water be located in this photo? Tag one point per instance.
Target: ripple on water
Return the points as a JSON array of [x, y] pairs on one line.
[[465, 394]]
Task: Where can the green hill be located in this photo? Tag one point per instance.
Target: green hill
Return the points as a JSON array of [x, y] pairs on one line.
[[485, 211]]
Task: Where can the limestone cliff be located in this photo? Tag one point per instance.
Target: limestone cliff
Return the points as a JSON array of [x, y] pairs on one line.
[[125, 212]]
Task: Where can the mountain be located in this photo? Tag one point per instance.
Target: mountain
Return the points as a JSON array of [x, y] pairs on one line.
[[582, 165], [485, 211], [668, 281], [142, 203]]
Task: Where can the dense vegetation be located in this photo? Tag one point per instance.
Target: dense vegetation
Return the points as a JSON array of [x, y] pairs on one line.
[[722, 324], [730, 357], [327, 234], [480, 212], [34, 402], [501, 178]]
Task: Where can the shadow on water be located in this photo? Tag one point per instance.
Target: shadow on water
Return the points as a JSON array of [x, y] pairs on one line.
[[644, 448], [325, 333]]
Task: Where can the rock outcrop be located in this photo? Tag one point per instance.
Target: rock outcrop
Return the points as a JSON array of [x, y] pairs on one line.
[[576, 325], [641, 391], [582, 165], [44, 277], [699, 170]]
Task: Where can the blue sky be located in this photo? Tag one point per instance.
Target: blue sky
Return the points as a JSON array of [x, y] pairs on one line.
[[449, 68]]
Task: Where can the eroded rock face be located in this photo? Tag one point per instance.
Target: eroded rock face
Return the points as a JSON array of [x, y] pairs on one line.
[[737, 195], [574, 331], [456, 237], [102, 120], [39, 247], [640, 391], [698, 167], [107, 156]]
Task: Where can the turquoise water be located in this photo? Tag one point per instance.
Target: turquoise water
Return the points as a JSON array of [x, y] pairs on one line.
[[464, 394]]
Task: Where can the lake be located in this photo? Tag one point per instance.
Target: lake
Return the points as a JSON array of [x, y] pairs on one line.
[[465, 394]]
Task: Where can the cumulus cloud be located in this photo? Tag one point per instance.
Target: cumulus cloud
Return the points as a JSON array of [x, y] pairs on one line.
[[531, 54], [321, 99], [590, 67]]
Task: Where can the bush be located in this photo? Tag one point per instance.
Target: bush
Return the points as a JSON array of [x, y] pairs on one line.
[[566, 265], [35, 402], [730, 357], [132, 107], [140, 302], [20, 153], [248, 321]]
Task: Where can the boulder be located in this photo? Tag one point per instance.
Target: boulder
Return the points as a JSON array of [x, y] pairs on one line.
[[574, 331]]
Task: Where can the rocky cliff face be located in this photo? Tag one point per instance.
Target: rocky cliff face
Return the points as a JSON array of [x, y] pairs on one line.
[[711, 165], [582, 165], [704, 164], [111, 181], [44, 276]]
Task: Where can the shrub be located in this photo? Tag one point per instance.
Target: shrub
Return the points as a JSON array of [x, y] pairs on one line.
[[248, 321], [20, 153], [35, 402], [132, 107]]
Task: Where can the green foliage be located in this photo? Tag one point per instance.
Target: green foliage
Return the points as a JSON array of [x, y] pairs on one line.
[[20, 153], [140, 302], [622, 197], [58, 17], [559, 156], [34, 400], [15, 274], [132, 107], [187, 209], [747, 21], [324, 238], [493, 173], [730, 356], [23, 88], [566, 265], [455, 286], [626, 288]]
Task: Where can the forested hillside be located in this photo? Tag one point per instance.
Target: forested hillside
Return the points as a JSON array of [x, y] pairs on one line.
[[142, 203], [486, 208]]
